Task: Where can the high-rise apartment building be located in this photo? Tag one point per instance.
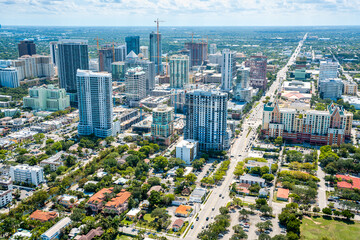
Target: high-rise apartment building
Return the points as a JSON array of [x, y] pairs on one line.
[[331, 88], [228, 70], [328, 69], [71, 55], [212, 48], [258, 66], [155, 51], [26, 47], [132, 44], [133, 61], [95, 103], [118, 71], [197, 52], [242, 90], [144, 51], [34, 66], [206, 114], [106, 57], [162, 127], [179, 71], [32, 175], [120, 53], [316, 127], [135, 84], [47, 98], [9, 77]]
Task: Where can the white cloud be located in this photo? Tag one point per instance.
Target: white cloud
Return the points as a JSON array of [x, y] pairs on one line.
[[195, 12]]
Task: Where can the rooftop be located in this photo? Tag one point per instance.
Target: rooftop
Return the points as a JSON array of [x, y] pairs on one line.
[[57, 227], [99, 196], [120, 199], [43, 216], [183, 209], [283, 193]]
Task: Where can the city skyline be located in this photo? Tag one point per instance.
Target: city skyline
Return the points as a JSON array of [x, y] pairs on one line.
[[180, 13]]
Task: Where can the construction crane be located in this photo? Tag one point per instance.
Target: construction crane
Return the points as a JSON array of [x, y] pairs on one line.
[[97, 42], [157, 21]]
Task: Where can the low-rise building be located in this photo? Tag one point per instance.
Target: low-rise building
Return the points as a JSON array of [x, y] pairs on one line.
[[55, 231], [54, 161], [348, 182], [91, 234], [177, 225], [5, 197], [183, 211], [21, 234], [282, 194], [132, 214], [118, 204], [299, 86], [350, 88], [198, 195], [43, 216], [249, 179], [187, 150], [96, 202], [68, 201]]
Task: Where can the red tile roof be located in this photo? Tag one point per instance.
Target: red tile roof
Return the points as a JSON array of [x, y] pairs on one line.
[[43, 216], [344, 183], [283, 193], [120, 199], [99, 196], [178, 223], [182, 209]]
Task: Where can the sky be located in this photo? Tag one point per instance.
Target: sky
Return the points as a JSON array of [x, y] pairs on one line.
[[180, 12]]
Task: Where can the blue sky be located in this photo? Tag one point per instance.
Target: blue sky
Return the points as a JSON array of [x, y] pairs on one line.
[[180, 12]]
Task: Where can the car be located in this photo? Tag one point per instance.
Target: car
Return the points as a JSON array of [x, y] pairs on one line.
[[207, 226], [192, 226], [246, 226], [246, 230], [283, 231], [202, 227], [213, 208], [197, 219], [220, 195], [207, 218]]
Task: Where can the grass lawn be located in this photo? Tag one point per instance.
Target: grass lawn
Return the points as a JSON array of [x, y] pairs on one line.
[[123, 237], [316, 228], [148, 218], [127, 222]]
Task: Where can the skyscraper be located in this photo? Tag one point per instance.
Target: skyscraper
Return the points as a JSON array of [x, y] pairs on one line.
[[155, 51], [135, 85], [328, 69], [132, 61], [120, 53], [198, 52], [105, 59], [144, 51], [228, 70], [118, 71], [213, 48], [242, 90], [132, 44], [179, 71], [26, 47], [53, 52], [162, 126], [71, 55], [95, 103], [206, 114], [258, 66]]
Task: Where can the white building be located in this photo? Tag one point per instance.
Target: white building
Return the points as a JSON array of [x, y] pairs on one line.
[[331, 88], [228, 70], [299, 86], [144, 51], [328, 70], [353, 101], [55, 231], [198, 195], [95, 103], [135, 84], [212, 48], [5, 197], [249, 179], [242, 90], [187, 150], [9, 77], [27, 174], [54, 161], [179, 71]]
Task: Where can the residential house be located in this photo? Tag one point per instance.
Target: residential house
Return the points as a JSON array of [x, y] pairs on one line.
[[282, 194], [132, 214], [156, 188], [43, 216], [92, 234], [177, 225], [55, 231]]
